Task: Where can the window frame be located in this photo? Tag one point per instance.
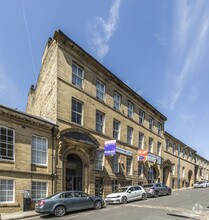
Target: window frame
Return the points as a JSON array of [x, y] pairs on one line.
[[141, 142], [33, 181], [115, 131], [151, 123], [130, 138], [13, 191], [4, 157], [77, 76], [118, 102], [130, 111], [160, 128], [47, 147], [115, 163], [76, 112], [159, 148], [100, 123], [142, 169], [129, 162], [141, 117], [99, 91], [150, 150], [99, 162]]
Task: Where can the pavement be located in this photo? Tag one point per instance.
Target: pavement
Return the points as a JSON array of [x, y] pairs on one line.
[[32, 213]]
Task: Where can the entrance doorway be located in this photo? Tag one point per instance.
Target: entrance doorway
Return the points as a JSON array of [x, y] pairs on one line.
[[74, 170], [99, 186]]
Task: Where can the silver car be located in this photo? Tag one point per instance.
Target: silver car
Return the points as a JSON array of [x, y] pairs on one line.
[[126, 194], [61, 203]]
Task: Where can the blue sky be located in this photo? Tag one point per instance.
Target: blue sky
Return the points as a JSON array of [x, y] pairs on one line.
[[159, 48]]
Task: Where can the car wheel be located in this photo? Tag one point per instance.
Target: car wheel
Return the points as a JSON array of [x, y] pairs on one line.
[[156, 194], [169, 192], [144, 196], [124, 200], [98, 204], [60, 211]]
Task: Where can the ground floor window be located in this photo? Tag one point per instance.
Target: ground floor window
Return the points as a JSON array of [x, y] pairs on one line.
[[6, 191], [114, 185], [39, 190], [151, 175], [140, 168]]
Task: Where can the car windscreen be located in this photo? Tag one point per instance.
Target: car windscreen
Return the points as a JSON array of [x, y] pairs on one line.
[[119, 190], [148, 186], [49, 197]]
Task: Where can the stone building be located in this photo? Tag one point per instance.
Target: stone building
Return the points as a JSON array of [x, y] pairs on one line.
[[91, 105], [201, 169], [179, 163], [27, 148]]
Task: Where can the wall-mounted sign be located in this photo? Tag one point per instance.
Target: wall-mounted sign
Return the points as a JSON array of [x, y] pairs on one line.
[[142, 155], [110, 148], [154, 158], [123, 151]]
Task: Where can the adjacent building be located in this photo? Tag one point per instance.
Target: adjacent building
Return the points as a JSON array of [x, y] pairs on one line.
[[27, 150]]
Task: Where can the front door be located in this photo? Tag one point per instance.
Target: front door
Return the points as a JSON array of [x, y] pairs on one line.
[[98, 186], [74, 169]]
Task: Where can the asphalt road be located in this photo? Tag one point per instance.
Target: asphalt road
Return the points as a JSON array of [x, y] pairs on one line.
[[183, 204]]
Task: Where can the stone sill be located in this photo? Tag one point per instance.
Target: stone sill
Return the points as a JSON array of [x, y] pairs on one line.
[[9, 205], [7, 161]]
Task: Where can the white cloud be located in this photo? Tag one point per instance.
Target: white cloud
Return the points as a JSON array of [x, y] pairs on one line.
[[101, 31], [188, 47]]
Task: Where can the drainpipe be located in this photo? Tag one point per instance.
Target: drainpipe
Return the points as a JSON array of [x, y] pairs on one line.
[[53, 172]]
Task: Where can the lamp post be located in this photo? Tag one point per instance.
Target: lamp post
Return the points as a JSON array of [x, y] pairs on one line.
[[178, 174]]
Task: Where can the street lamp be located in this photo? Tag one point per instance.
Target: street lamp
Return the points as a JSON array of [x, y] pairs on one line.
[[178, 174]]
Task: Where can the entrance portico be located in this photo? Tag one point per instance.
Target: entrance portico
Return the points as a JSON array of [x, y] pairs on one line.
[[76, 158]]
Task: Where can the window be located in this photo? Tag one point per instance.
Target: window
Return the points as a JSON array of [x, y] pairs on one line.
[[160, 128], [117, 100], [6, 191], [167, 144], [173, 170], [183, 172], [100, 122], [77, 109], [77, 75], [158, 148], [39, 150], [116, 129], [39, 190], [114, 185], [100, 90], [141, 141], [174, 148], [151, 123], [140, 168], [129, 135], [99, 160], [7, 143], [130, 110], [128, 165], [141, 117], [150, 145], [115, 163]]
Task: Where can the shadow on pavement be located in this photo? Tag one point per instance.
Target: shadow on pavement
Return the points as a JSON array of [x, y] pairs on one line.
[[182, 216]]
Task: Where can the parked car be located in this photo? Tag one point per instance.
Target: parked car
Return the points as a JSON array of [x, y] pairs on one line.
[[61, 203], [201, 184], [126, 194], [157, 189]]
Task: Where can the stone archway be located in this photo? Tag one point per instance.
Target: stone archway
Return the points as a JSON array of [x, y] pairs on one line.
[[167, 166], [190, 173]]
